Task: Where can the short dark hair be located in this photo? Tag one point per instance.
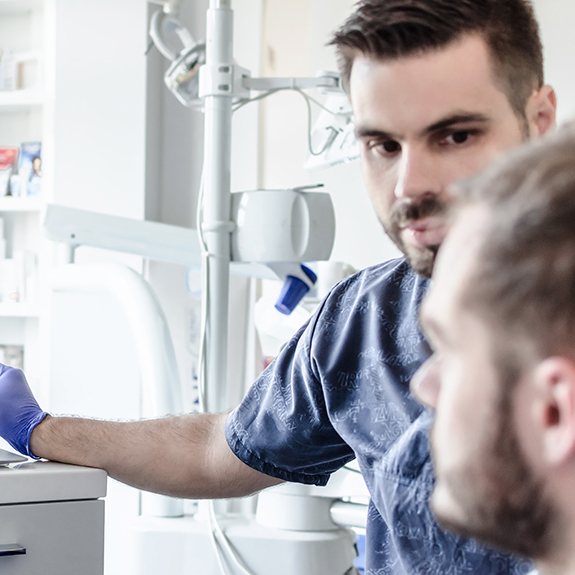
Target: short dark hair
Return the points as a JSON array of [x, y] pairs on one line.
[[523, 282], [391, 29]]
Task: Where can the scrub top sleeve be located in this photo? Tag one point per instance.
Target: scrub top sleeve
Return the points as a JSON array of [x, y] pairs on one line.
[[282, 427]]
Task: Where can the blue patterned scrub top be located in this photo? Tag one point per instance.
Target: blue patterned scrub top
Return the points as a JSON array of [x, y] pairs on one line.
[[339, 390]]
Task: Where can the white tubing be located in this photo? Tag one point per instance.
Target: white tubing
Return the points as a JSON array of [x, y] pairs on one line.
[[161, 391], [349, 514]]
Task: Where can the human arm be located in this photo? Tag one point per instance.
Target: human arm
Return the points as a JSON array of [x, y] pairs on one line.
[[185, 456]]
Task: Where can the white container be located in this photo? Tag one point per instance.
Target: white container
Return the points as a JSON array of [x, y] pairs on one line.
[[282, 226], [10, 280], [8, 71]]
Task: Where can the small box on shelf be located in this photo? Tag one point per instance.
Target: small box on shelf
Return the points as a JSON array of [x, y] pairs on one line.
[[28, 181], [19, 70], [8, 163], [8, 70], [18, 278], [17, 273]]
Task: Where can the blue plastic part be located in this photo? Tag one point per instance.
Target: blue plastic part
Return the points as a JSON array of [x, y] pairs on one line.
[[360, 560], [293, 290], [309, 273]]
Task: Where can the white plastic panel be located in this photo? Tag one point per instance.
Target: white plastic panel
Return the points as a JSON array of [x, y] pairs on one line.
[[64, 538]]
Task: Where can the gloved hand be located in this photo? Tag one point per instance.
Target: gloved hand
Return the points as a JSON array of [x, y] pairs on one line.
[[19, 411]]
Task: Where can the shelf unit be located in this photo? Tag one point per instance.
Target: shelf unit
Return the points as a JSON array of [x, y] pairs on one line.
[[10, 204], [16, 100], [11, 7], [23, 116], [18, 310]]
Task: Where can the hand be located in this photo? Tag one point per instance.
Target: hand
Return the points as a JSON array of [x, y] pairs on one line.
[[19, 411]]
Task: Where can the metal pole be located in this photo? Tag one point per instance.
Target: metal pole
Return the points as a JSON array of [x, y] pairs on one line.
[[216, 226]]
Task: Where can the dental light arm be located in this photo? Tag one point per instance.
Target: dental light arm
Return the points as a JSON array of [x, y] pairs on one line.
[[152, 240], [165, 27], [327, 80], [270, 230], [187, 57]]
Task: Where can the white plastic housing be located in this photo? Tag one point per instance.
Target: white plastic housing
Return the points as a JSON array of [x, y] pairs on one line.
[[282, 226]]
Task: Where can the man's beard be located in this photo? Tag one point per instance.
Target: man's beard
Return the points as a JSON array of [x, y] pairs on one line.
[[500, 499], [408, 212]]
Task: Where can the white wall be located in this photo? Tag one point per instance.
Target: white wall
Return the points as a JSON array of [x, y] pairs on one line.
[[557, 20], [100, 76]]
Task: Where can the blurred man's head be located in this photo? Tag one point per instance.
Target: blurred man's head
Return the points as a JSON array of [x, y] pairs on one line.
[[438, 89], [500, 316]]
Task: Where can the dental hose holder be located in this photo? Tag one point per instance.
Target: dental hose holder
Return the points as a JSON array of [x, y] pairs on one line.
[[281, 229]]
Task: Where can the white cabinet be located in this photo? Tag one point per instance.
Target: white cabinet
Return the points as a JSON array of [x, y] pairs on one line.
[[64, 538], [51, 520]]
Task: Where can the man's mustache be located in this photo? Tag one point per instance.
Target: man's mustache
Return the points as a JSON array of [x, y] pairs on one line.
[[408, 211]]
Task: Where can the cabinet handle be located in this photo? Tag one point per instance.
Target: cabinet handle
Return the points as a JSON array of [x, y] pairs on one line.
[[10, 550]]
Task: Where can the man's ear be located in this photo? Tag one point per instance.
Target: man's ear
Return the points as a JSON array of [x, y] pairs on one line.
[[541, 111], [554, 380]]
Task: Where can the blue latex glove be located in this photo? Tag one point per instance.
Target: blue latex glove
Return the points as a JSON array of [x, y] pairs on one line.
[[19, 411]]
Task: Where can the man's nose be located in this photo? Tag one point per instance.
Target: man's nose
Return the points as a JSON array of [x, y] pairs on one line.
[[425, 385], [417, 175]]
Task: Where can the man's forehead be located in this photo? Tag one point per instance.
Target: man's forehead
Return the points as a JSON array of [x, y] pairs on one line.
[[456, 260], [417, 90]]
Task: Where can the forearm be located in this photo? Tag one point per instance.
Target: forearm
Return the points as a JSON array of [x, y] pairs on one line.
[[185, 456], [182, 456]]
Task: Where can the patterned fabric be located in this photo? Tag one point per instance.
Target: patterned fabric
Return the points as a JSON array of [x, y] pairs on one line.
[[340, 390]]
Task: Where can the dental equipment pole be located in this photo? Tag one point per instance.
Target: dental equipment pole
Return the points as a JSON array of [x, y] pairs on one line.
[[220, 81], [216, 81]]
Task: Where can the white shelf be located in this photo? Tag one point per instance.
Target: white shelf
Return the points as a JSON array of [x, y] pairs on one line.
[[12, 100], [16, 204], [23, 310], [18, 6]]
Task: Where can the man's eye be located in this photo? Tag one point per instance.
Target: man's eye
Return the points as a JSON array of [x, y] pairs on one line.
[[391, 146], [385, 147], [457, 138], [460, 137]]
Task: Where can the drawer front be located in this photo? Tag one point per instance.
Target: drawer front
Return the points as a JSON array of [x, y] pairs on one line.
[[64, 538]]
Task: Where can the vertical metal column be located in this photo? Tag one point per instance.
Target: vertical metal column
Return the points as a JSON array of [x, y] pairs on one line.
[[217, 160]]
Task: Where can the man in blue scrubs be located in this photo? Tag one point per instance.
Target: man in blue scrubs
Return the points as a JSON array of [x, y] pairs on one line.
[[439, 89]]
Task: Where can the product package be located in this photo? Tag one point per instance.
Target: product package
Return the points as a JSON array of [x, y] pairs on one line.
[[8, 160], [8, 70], [29, 170]]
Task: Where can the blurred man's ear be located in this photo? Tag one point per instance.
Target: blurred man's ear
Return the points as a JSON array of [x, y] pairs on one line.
[[541, 111], [554, 379]]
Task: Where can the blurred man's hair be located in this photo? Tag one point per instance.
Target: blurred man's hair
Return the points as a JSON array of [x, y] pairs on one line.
[[523, 283]]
